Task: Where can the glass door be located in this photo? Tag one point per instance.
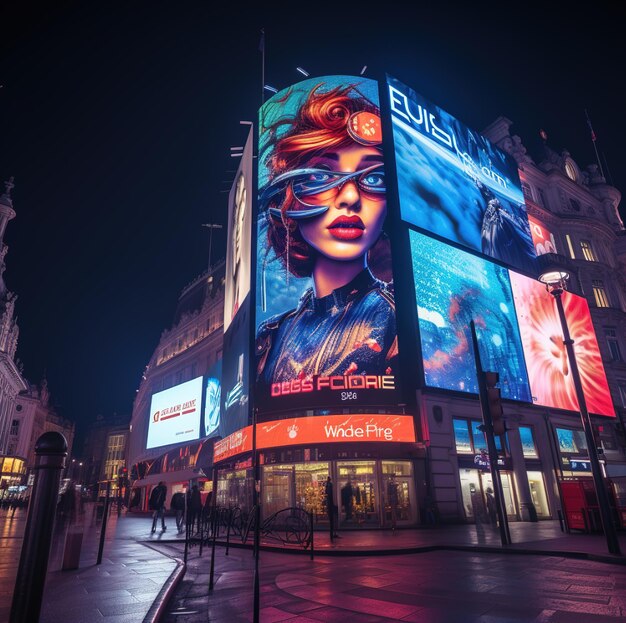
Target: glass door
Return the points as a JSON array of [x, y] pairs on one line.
[[507, 492], [399, 493], [277, 488], [358, 494]]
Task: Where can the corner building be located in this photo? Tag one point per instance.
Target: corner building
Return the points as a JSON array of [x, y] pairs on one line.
[[371, 345]]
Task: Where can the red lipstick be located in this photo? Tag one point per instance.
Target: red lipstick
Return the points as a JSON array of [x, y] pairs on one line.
[[346, 228]]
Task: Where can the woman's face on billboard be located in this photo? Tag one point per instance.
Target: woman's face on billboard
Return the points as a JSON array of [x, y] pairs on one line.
[[357, 208]]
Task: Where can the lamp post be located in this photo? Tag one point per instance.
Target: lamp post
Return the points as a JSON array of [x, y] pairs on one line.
[[555, 281]]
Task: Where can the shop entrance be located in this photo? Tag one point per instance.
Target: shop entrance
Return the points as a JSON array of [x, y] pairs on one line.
[[474, 485], [359, 501]]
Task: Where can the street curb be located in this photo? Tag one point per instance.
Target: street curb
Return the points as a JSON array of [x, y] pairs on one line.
[[423, 549], [157, 609]]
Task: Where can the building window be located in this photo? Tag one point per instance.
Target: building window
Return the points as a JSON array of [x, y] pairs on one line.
[[599, 293], [570, 170], [612, 341], [570, 246], [587, 250], [571, 441], [462, 437], [15, 427], [542, 198], [528, 442], [527, 190], [622, 393], [575, 205]]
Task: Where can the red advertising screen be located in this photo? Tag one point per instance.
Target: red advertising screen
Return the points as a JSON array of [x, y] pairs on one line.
[[323, 429], [548, 366], [543, 239]]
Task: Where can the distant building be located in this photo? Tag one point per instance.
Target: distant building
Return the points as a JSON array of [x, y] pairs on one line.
[[104, 452], [11, 380], [186, 351]]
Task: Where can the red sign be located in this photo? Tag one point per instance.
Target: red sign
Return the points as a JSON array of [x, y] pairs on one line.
[[318, 429], [543, 240]]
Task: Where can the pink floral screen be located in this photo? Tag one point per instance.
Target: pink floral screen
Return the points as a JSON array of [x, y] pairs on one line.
[[548, 367]]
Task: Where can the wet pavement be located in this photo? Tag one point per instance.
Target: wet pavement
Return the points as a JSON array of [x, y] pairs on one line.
[[366, 575]]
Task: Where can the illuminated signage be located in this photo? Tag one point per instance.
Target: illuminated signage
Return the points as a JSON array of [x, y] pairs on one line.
[[454, 183], [452, 288], [237, 279], [325, 316], [175, 414], [542, 238], [237, 317], [546, 357], [316, 430], [212, 400]]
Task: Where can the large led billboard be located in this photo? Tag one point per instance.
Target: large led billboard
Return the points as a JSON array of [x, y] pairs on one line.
[[212, 400], [175, 414], [237, 319], [452, 288], [237, 279], [325, 316], [548, 365], [456, 184]]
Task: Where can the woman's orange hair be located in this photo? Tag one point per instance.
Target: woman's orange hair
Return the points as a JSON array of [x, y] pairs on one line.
[[319, 126]]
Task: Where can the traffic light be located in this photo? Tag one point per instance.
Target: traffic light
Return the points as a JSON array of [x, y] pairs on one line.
[[494, 403]]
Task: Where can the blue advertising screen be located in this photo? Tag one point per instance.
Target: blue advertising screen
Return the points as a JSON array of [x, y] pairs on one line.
[[325, 315], [455, 183], [452, 288]]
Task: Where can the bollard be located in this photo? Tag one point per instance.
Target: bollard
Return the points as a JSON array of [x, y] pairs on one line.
[[50, 451], [103, 525]]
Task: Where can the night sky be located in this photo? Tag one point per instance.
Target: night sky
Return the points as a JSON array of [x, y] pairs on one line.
[[117, 119]]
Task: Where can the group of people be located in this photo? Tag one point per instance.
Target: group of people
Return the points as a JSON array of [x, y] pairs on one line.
[[193, 505]]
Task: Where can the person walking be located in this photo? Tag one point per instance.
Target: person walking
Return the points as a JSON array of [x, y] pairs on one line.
[[178, 504], [195, 508], [491, 507], [330, 507], [157, 504]]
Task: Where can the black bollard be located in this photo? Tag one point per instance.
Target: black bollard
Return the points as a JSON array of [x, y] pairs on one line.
[[103, 525], [50, 451]]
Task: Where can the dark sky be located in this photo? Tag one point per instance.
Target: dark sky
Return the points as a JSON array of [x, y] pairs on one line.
[[116, 120]]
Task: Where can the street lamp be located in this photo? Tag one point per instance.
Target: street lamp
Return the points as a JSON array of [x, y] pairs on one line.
[[555, 281]]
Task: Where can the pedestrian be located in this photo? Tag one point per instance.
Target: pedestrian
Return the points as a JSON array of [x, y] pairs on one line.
[[330, 507], [157, 505], [346, 499], [491, 507], [178, 504], [194, 507]]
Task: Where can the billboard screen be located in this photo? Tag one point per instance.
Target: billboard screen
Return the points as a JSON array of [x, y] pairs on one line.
[[546, 355], [455, 183], [175, 414], [452, 288], [237, 320], [212, 401], [327, 429], [325, 316], [237, 280], [543, 239]]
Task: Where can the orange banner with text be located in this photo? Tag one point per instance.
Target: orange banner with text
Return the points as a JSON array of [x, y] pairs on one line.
[[317, 429]]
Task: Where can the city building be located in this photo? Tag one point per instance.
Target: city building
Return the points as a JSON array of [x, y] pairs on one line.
[[186, 353], [362, 387]]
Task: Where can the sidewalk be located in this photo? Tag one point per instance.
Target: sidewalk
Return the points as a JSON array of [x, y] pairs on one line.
[[140, 571]]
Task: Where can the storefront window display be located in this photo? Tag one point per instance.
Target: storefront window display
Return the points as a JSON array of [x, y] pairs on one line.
[[538, 494], [399, 498], [358, 493], [474, 485], [234, 488]]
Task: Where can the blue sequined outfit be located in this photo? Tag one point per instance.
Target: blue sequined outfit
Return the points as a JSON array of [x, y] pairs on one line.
[[350, 331]]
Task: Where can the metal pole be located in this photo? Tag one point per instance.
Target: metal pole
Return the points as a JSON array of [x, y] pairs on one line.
[[103, 527], [50, 450], [257, 519], [503, 525], [598, 480], [213, 514]]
